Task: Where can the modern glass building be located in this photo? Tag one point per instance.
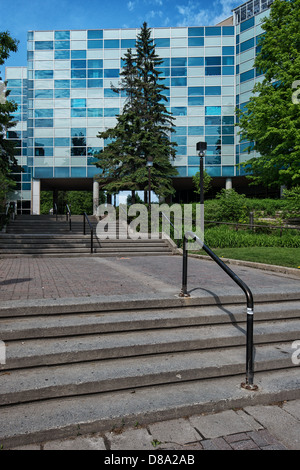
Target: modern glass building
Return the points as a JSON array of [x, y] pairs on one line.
[[65, 98]]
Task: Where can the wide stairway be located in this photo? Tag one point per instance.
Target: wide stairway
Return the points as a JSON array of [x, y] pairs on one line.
[[92, 367], [47, 236]]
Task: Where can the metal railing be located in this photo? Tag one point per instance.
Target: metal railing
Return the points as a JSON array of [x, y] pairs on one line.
[[85, 217], [249, 297], [69, 216]]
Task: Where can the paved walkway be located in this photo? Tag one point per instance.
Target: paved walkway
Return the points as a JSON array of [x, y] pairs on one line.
[[26, 280]]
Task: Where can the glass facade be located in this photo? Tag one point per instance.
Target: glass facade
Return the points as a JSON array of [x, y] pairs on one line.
[[65, 97]]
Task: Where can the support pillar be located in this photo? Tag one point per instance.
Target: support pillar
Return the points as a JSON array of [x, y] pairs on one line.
[[36, 197], [228, 183], [95, 197]]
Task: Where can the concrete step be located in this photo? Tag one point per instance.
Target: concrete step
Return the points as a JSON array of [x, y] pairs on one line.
[[64, 417], [28, 385], [37, 352]]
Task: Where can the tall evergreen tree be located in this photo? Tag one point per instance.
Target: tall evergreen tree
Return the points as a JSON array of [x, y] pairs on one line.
[[143, 128], [271, 119], [8, 162]]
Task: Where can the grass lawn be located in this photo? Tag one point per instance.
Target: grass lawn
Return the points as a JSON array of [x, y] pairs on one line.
[[289, 257]]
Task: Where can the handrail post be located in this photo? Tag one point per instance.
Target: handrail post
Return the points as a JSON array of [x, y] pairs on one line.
[[183, 292], [92, 240], [83, 224]]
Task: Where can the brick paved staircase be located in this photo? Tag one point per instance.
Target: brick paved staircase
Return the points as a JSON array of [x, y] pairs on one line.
[[46, 236], [87, 367]]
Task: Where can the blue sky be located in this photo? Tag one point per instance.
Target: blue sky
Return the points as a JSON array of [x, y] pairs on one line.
[[19, 16]]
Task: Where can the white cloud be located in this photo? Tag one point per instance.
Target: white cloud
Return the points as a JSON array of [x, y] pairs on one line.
[[131, 5], [193, 13]]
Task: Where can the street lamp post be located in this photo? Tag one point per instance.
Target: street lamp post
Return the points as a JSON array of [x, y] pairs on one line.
[[201, 147], [149, 164]]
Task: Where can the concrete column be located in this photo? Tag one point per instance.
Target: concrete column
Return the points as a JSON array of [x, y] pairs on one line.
[[228, 183], [36, 197], [95, 196]]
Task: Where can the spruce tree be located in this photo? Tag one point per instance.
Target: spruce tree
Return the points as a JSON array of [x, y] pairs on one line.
[[143, 128]]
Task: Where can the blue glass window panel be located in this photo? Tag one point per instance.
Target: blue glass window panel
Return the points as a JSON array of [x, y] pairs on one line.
[[213, 60], [228, 60], [111, 44], [111, 73], [80, 73], [62, 54], [192, 171], [43, 142], [78, 172], [97, 44], [180, 130], [78, 131], [62, 93], [227, 129], [43, 93], [193, 160], [78, 83], [237, 51], [237, 69], [237, 39], [43, 45], [92, 171], [61, 83], [228, 70], [111, 112], [196, 91], [14, 83], [62, 35], [196, 31], [95, 73], [43, 74], [213, 130], [213, 160], [61, 172], [164, 72], [181, 170], [43, 123], [196, 100], [228, 50], [212, 110], [95, 63], [195, 61], [213, 90], [95, 34], [95, 83], [178, 72], [181, 81], [180, 140], [194, 42], [179, 111], [244, 46], [195, 130], [165, 62], [40, 113], [95, 112], [228, 30], [110, 93], [62, 142], [78, 112], [78, 54], [213, 139], [167, 81], [162, 42], [62, 45], [78, 64], [43, 152], [227, 120], [41, 172], [213, 31], [78, 103], [227, 170], [247, 24], [128, 43], [247, 75], [16, 99], [214, 171], [15, 92], [212, 70], [179, 62], [227, 139], [93, 151]]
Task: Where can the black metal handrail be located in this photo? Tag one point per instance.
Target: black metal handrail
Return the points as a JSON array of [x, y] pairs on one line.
[[69, 216], [55, 211], [85, 217], [249, 297]]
